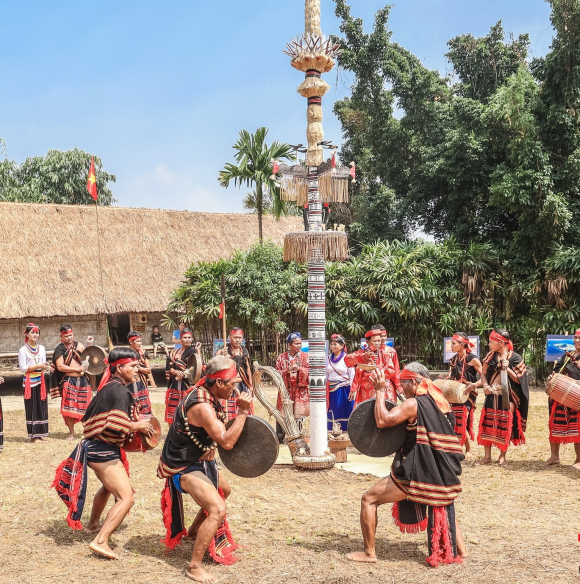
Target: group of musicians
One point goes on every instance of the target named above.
(421, 487)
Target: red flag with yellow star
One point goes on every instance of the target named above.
(92, 180)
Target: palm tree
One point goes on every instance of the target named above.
(254, 168)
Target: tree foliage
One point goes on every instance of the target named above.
(59, 177)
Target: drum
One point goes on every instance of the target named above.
(255, 452)
(564, 390)
(141, 442)
(452, 390)
(95, 356)
(368, 438)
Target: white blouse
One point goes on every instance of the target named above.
(339, 372)
(26, 359)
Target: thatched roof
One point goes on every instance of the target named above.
(50, 266)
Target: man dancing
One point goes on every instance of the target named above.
(69, 380)
(188, 466)
(139, 387)
(385, 358)
(109, 420)
(425, 472)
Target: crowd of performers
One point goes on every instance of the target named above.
(422, 486)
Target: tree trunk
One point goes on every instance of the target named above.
(260, 210)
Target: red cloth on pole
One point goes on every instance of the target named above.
(92, 181)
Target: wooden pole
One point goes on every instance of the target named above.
(224, 311)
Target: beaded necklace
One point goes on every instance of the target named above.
(31, 350)
(221, 416)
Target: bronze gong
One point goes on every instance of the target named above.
(193, 371)
(96, 356)
(368, 438)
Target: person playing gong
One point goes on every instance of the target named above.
(424, 479)
(109, 420)
(188, 466)
(379, 355)
(140, 386)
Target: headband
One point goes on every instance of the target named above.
(235, 330)
(577, 333)
(133, 337)
(494, 336)
(108, 371)
(407, 374)
(31, 328)
(372, 333)
(66, 331)
(463, 341)
(338, 338)
(225, 373)
(292, 337)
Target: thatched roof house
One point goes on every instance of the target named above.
(50, 260)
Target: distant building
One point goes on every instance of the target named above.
(49, 265)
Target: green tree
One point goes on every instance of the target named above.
(59, 177)
(254, 168)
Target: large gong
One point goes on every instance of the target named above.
(368, 438)
(95, 356)
(255, 452)
(193, 371)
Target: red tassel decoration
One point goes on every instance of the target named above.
(408, 527)
(73, 494)
(441, 548)
(166, 504)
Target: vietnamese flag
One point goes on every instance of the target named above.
(92, 181)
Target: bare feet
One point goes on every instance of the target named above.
(92, 528)
(361, 557)
(37, 441)
(552, 460)
(501, 461)
(484, 461)
(103, 549)
(199, 575)
(469, 456)
(70, 438)
(576, 465)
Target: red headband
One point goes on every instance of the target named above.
(373, 333)
(237, 330)
(406, 374)
(133, 337)
(501, 339)
(577, 333)
(225, 373)
(463, 341)
(107, 373)
(66, 331)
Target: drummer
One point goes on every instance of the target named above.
(139, 387)
(564, 420)
(499, 427)
(380, 355)
(464, 367)
(188, 465)
(110, 419)
(425, 471)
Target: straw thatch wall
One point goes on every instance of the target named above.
(49, 255)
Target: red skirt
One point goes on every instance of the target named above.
(76, 397)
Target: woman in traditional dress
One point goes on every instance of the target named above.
(464, 367)
(1, 421)
(32, 362)
(339, 380)
(563, 420)
(498, 426)
(175, 373)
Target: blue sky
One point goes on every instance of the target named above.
(160, 90)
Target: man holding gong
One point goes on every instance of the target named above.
(424, 479)
(188, 466)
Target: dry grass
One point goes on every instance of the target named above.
(520, 523)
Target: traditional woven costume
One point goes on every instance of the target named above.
(34, 382)
(140, 387)
(339, 379)
(564, 420)
(386, 359)
(184, 446)
(1, 427)
(427, 470)
(461, 370)
(177, 388)
(106, 426)
(296, 382)
(497, 427)
(76, 392)
(242, 362)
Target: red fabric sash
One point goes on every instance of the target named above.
(28, 387)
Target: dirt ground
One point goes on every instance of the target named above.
(520, 523)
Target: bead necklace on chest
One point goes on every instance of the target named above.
(221, 416)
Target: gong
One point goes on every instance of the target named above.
(96, 356)
(368, 438)
(255, 452)
(193, 371)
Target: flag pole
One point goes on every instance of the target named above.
(224, 311)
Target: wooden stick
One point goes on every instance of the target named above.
(224, 311)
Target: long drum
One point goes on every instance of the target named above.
(141, 442)
(95, 356)
(255, 452)
(564, 390)
(452, 390)
(368, 438)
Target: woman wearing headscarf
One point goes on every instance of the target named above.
(32, 363)
(339, 380)
(498, 426)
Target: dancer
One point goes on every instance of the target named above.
(139, 387)
(109, 420)
(497, 427)
(32, 362)
(563, 422)
(175, 372)
(69, 380)
(339, 381)
(425, 472)
(295, 370)
(188, 466)
(384, 358)
(464, 367)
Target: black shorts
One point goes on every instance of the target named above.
(99, 451)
